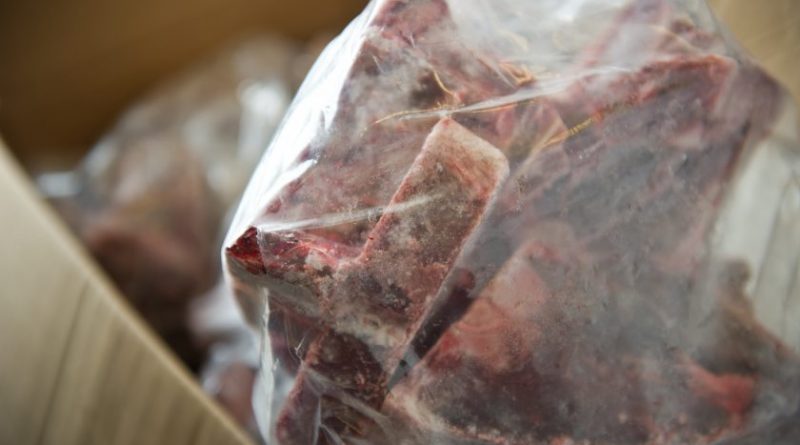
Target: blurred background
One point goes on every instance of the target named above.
(68, 67)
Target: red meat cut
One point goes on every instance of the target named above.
(469, 261)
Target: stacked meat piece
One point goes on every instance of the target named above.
(470, 261)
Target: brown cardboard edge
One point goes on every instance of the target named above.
(92, 287)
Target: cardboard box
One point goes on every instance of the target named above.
(770, 31)
(77, 366)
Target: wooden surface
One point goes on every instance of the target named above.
(76, 365)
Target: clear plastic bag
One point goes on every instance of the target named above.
(230, 374)
(527, 222)
(230, 370)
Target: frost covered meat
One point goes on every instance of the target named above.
(562, 293)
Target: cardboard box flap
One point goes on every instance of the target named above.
(77, 366)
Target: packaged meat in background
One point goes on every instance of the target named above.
(527, 222)
(150, 200)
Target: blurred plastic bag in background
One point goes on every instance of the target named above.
(150, 199)
(527, 222)
(230, 372)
